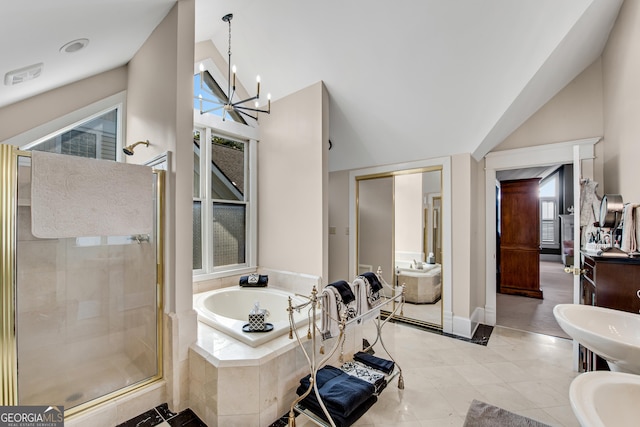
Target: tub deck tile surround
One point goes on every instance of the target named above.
(232, 383)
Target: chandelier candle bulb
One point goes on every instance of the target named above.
(269, 102)
(234, 76)
(258, 91)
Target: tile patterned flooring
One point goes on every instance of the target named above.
(162, 416)
(525, 373)
(522, 372)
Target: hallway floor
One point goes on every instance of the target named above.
(536, 315)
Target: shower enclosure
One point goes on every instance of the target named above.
(80, 317)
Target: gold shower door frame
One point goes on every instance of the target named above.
(9, 156)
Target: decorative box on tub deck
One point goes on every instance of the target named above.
(256, 321)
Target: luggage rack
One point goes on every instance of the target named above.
(313, 303)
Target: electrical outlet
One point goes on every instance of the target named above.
(332, 230)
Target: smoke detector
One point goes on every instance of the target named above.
(23, 74)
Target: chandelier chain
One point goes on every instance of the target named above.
(229, 51)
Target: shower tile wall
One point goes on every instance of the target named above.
(85, 316)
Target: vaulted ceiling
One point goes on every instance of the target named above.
(407, 80)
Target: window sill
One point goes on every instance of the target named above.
(201, 277)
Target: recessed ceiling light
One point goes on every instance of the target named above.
(74, 46)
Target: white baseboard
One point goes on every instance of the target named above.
(466, 327)
(462, 327)
(447, 322)
(490, 317)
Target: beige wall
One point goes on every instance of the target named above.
(375, 225)
(461, 221)
(621, 71)
(293, 184)
(408, 234)
(160, 109)
(477, 237)
(339, 220)
(574, 113)
(467, 242)
(35, 111)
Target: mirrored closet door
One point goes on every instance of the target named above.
(400, 230)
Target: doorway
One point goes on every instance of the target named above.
(581, 153)
(552, 187)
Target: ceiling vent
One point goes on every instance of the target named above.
(23, 74)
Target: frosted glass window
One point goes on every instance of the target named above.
(197, 235)
(221, 220)
(229, 234)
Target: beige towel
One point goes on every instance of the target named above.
(75, 197)
(636, 225)
(360, 291)
(368, 299)
(629, 242)
(330, 326)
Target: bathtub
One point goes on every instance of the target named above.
(227, 310)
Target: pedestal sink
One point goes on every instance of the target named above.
(613, 335)
(603, 398)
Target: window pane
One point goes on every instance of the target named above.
(227, 169)
(77, 143)
(548, 210)
(95, 139)
(229, 234)
(548, 188)
(548, 231)
(196, 163)
(209, 98)
(197, 235)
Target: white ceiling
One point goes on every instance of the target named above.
(33, 31)
(407, 80)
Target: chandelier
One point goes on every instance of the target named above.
(228, 106)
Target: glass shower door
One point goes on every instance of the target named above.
(87, 312)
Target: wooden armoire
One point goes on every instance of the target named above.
(520, 238)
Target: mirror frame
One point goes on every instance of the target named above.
(443, 164)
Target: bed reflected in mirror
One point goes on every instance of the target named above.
(400, 230)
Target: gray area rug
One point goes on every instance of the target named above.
(482, 414)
